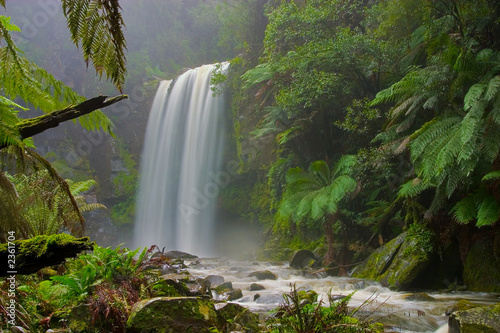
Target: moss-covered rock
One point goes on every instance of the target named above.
(79, 319)
(302, 259)
(398, 264)
(482, 266)
(172, 315)
(43, 251)
(264, 275)
(484, 319)
(420, 297)
(234, 317)
(380, 260)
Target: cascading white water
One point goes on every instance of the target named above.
(183, 151)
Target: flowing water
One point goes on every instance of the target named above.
(183, 151)
(391, 308)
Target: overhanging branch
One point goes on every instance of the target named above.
(30, 127)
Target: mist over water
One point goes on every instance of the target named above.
(182, 153)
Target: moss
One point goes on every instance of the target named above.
(397, 264)
(172, 314)
(45, 250)
(380, 260)
(482, 267)
(483, 319)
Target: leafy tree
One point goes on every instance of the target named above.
(97, 27)
(316, 195)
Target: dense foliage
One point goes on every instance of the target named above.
(409, 87)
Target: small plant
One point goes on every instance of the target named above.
(299, 315)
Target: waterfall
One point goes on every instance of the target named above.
(182, 154)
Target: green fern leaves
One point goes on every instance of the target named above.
(96, 26)
(317, 192)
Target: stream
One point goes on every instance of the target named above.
(391, 308)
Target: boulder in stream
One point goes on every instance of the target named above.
(483, 319)
(179, 255)
(172, 315)
(256, 287)
(264, 275)
(303, 259)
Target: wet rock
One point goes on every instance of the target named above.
(198, 288)
(303, 259)
(270, 299)
(264, 275)
(238, 318)
(462, 305)
(482, 266)
(215, 280)
(172, 315)
(232, 295)
(256, 286)
(482, 319)
(379, 261)
(224, 287)
(419, 297)
(396, 265)
(309, 295)
(179, 255)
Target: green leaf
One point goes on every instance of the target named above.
(474, 95)
(5, 21)
(493, 88)
(489, 212)
(492, 175)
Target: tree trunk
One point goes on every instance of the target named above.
(330, 253)
(30, 127)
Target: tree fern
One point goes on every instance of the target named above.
(96, 25)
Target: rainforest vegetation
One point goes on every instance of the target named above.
(352, 122)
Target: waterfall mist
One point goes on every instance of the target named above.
(180, 162)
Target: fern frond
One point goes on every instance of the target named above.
(344, 165)
(488, 212)
(80, 187)
(321, 170)
(260, 73)
(493, 89)
(492, 175)
(96, 25)
(465, 210)
(474, 95)
(91, 207)
(429, 132)
(412, 188)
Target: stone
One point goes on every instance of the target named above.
(223, 287)
(256, 287)
(380, 260)
(483, 319)
(179, 255)
(215, 280)
(397, 265)
(245, 320)
(482, 267)
(302, 259)
(263, 275)
(172, 315)
(423, 297)
(232, 295)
